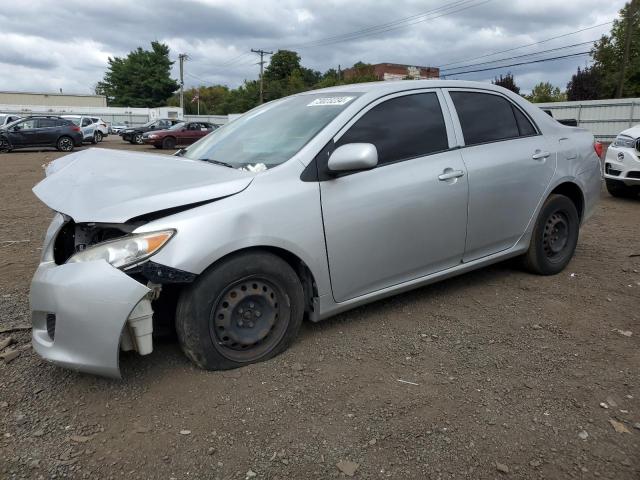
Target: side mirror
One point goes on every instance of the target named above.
(17, 128)
(353, 156)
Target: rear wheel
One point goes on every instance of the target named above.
(65, 144)
(169, 143)
(618, 189)
(5, 146)
(99, 136)
(554, 237)
(94, 139)
(247, 309)
(137, 139)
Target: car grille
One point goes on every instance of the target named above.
(633, 175)
(51, 325)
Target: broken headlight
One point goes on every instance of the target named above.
(125, 251)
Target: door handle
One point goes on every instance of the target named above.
(539, 155)
(450, 174)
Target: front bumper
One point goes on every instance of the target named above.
(88, 304)
(622, 164)
(152, 141)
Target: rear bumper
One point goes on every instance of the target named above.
(86, 306)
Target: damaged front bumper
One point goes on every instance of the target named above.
(79, 312)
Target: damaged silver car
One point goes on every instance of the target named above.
(302, 208)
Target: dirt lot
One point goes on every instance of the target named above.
(507, 371)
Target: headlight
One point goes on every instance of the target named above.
(624, 141)
(152, 136)
(125, 251)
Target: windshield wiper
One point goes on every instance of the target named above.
(217, 162)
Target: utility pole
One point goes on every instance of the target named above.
(631, 11)
(262, 53)
(182, 57)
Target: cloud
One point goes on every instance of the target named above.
(48, 45)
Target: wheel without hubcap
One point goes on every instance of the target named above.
(246, 309)
(137, 139)
(169, 143)
(554, 236)
(4, 145)
(99, 136)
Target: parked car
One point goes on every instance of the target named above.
(183, 133)
(90, 129)
(135, 134)
(6, 118)
(40, 131)
(116, 128)
(302, 208)
(622, 164)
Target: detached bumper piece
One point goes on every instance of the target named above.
(80, 312)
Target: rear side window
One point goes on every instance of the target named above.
(402, 128)
(525, 127)
(47, 122)
(485, 117)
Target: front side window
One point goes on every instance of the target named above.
(271, 133)
(489, 118)
(27, 124)
(401, 128)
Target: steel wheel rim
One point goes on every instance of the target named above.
(65, 144)
(249, 319)
(556, 235)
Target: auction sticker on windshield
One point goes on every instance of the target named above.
(318, 102)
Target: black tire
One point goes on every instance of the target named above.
(137, 138)
(5, 146)
(94, 139)
(65, 144)
(246, 309)
(169, 143)
(554, 237)
(98, 136)
(618, 189)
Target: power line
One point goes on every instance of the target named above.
(347, 37)
(447, 71)
(523, 46)
(521, 63)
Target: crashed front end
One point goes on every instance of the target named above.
(85, 311)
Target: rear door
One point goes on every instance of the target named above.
(407, 217)
(47, 130)
(510, 165)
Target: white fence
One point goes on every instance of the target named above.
(604, 118)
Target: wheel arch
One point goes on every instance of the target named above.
(573, 192)
(304, 273)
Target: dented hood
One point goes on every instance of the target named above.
(112, 186)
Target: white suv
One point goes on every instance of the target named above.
(622, 164)
(93, 128)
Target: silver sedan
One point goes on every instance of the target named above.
(302, 208)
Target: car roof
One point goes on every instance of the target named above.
(402, 85)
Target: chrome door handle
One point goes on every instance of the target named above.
(450, 174)
(539, 155)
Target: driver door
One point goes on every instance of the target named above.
(405, 218)
(24, 133)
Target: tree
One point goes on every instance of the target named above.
(544, 92)
(585, 84)
(617, 55)
(141, 79)
(507, 82)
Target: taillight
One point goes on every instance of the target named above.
(599, 148)
(75, 128)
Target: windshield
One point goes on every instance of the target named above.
(177, 126)
(272, 133)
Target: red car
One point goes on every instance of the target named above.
(182, 133)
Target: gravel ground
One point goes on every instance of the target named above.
(494, 374)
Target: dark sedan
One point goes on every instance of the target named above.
(41, 131)
(134, 134)
(183, 133)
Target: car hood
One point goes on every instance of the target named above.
(110, 186)
(633, 132)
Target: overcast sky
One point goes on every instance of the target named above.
(49, 45)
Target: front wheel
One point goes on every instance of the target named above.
(554, 237)
(137, 139)
(169, 143)
(246, 309)
(65, 144)
(5, 146)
